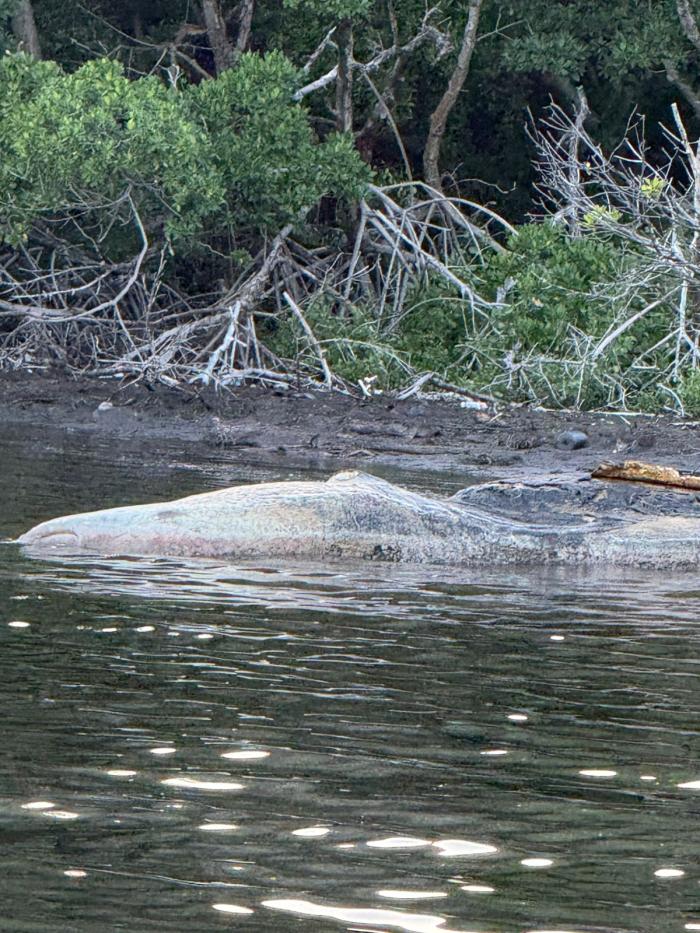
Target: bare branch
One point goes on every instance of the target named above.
(426, 34)
(296, 310)
(389, 117)
(316, 85)
(61, 301)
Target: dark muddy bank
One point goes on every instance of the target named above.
(327, 431)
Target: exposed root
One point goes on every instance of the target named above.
(69, 304)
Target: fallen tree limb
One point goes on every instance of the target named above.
(634, 471)
(439, 383)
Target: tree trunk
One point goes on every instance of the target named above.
(438, 119)
(692, 34)
(686, 90)
(577, 192)
(688, 22)
(218, 38)
(343, 85)
(245, 24)
(24, 29)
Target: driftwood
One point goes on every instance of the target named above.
(634, 471)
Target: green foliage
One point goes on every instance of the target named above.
(78, 142)
(352, 342)
(653, 188)
(216, 167)
(330, 9)
(263, 148)
(616, 37)
(527, 348)
(689, 393)
(552, 276)
(599, 215)
(557, 306)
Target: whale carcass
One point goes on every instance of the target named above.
(356, 516)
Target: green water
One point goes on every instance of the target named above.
(389, 731)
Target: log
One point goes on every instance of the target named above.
(634, 471)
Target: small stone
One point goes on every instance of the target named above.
(571, 440)
(105, 406)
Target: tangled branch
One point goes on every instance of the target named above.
(58, 303)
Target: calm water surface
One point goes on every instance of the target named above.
(198, 746)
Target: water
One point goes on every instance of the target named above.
(317, 748)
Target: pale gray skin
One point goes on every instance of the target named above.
(355, 516)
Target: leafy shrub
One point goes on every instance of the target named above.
(262, 146)
(689, 392)
(555, 307)
(74, 143)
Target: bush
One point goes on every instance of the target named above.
(236, 149)
(73, 144)
(272, 167)
(535, 345)
(555, 305)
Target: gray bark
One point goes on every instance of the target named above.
(24, 29)
(344, 82)
(245, 24)
(218, 37)
(438, 120)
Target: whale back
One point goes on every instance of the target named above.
(350, 515)
(355, 516)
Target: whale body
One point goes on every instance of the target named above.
(354, 516)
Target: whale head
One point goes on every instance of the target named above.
(87, 531)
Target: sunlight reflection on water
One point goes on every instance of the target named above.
(411, 923)
(520, 747)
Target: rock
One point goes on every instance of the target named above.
(646, 441)
(572, 440)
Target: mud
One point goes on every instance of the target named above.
(332, 431)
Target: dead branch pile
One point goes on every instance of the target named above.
(127, 319)
(651, 208)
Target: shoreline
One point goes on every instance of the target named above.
(328, 431)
